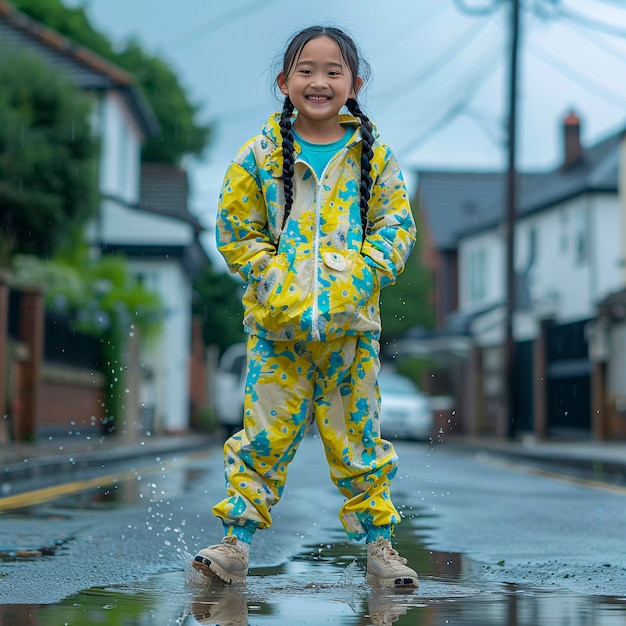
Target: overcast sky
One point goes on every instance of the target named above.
(438, 86)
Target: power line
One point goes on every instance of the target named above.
(599, 43)
(584, 81)
(618, 4)
(509, 404)
(439, 62)
(468, 10)
(581, 27)
(493, 130)
(449, 114)
(579, 18)
(405, 33)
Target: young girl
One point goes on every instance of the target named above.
(314, 215)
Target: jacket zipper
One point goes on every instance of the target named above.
(315, 331)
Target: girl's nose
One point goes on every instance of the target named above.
(319, 79)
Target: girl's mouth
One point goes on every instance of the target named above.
(318, 98)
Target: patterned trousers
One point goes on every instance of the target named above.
(289, 385)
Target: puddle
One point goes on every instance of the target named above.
(31, 553)
(325, 585)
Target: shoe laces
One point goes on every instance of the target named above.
(388, 553)
(229, 543)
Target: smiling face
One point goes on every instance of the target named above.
(318, 84)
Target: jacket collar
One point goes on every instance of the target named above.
(271, 131)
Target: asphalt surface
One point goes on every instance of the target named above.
(62, 459)
(449, 501)
(57, 459)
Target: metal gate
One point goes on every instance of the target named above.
(568, 379)
(523, 389)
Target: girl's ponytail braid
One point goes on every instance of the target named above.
(366, 158)
(287, 135)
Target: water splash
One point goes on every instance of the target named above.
(347, 577)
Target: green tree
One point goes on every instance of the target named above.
(180, 134)
(71, 22)
(218, 303)
(48, 182)
(181, 131)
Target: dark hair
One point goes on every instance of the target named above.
(358, 68)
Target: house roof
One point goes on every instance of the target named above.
(455, 203)
(452, 202)
(165, 191)
(85, 68)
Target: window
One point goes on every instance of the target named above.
(532, 247)
(148, 280)
(477, 276)
(580, 235)
(563, 241)
(122, 157)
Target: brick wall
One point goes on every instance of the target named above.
(70, 400)
(31, 330)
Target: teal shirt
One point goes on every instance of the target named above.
(317, 155)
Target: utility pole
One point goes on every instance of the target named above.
(511, 211)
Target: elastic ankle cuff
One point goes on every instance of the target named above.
(378, 532)
(243, 533)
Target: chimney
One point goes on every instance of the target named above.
(573, 151)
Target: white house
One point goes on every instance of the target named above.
(160, 238)
(569, 259)
(143, 216)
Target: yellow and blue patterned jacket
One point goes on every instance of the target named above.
(317, 280)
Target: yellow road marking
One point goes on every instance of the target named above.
(38, 496)
(45, 494)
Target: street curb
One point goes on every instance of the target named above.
(589, 467)
(74, 462)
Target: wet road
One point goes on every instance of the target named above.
(492, 545)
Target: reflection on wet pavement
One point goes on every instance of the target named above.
(324, 585)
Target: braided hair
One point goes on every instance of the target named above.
(286, 132)
(366, 158)
(358, 68)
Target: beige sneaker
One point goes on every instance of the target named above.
(227, 560)
(386, 568)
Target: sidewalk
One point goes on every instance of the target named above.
(58, 459)
(603, 461)
(64, 458)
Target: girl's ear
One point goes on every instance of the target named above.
(281, 79)
(358, 83)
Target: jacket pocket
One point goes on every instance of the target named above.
(280, 290)
(351, 282)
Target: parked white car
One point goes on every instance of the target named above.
(230, 385)
(406, 411)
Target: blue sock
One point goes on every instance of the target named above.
(243, 533)
(378, 532)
